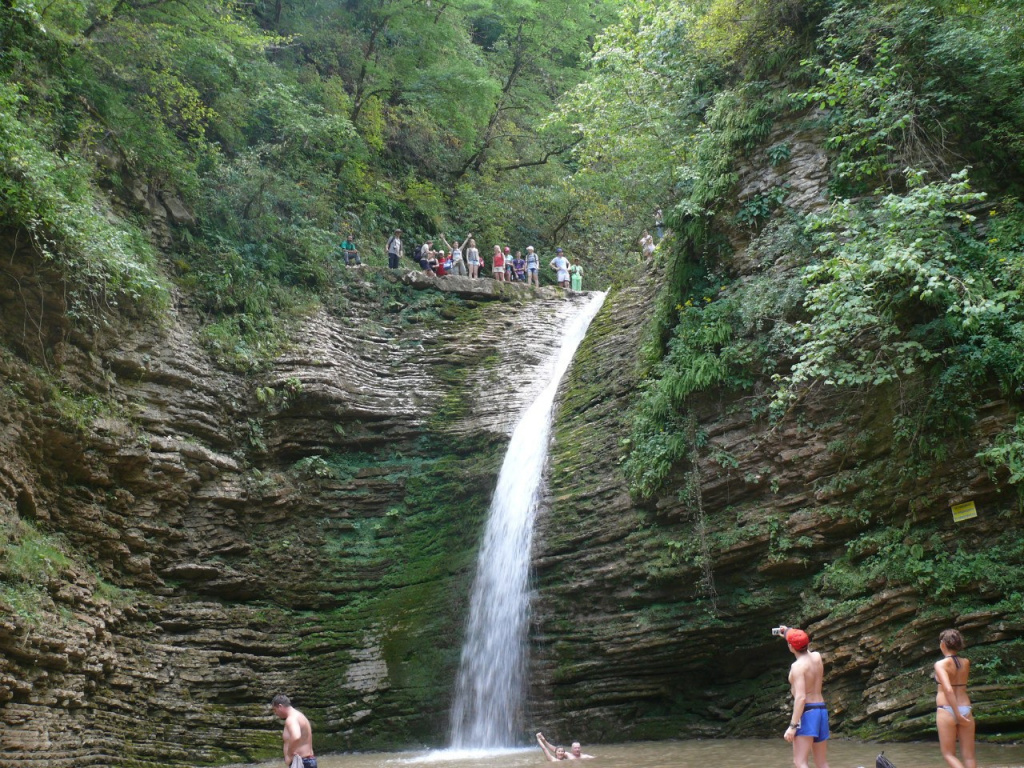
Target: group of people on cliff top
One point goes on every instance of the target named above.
(465, 260)
(808, 729)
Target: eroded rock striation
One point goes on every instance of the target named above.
(653, 617)
(183, 541)
(630, 644)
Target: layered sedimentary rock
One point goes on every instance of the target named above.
(630, 643)
(653, 617)
(203, 539)
(182, 540)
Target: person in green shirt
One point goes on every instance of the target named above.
(349, 252)
(576, 277)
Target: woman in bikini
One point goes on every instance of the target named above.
(551, 752)
(953, 707)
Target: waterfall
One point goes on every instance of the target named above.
(488, 700)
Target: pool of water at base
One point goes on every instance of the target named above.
(724, 753)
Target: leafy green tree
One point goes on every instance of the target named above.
(906, 282)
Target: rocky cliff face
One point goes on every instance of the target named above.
(182, 542)
(652, 619)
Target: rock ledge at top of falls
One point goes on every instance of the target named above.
(481, 287)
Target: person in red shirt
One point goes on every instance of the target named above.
(498, 265)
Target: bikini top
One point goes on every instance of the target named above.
(956, 663)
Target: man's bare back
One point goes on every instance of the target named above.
(806, 674)
(808, 730)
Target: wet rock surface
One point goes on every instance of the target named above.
(211, 538)
(652, 618)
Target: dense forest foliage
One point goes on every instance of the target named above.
(278, 127)
(275, 129)
(913, 267)
(902, 288)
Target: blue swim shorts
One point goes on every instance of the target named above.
(814, 722)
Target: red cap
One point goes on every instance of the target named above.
(798, 639)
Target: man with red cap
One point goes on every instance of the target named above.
(808, 728)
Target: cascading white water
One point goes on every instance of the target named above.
(491, 684)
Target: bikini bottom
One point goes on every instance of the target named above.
(965, 710)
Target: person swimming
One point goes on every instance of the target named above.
(552, 753)
(575, 752)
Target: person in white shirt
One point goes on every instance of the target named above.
(395, 249)
(561, 265)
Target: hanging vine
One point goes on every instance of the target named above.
(706, 584)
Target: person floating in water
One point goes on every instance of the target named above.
(297, 735)
(808, 728)
(575, 752)
(554, 753)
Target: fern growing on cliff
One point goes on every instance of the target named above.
(702, 355)
(54, 200)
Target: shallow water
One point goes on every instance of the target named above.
(725, 753)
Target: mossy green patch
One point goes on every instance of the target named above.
(398, 575)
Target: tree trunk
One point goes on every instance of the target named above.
(476, 160)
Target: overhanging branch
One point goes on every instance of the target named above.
(547, 156)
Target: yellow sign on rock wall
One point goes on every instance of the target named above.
(964, 511)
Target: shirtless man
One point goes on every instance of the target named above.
(808, 728)
(574, 753)
(297, 735)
